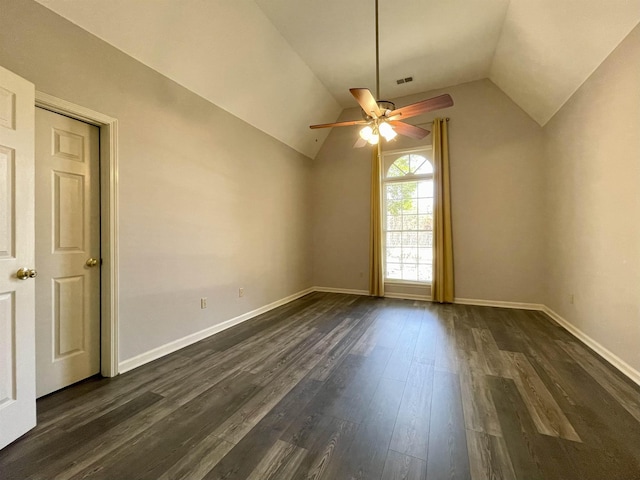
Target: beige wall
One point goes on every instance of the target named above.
(592, 227)
(497, 187)
(207, 203)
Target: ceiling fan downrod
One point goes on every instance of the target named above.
(377, 56)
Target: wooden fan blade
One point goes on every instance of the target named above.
(361, 142)
(410, 130)
(435, 103)
(366, 101)
(339, 124)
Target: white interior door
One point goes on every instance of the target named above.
(67, 251)
(17, 355)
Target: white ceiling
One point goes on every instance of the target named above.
(281, 65)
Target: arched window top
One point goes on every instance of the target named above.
(410, 164)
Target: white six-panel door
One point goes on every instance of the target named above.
(17, 355)
(67, 251)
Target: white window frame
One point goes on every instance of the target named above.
(426, 151)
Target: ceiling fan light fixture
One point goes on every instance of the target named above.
(366, 133)
(387, 131)
(370, 134)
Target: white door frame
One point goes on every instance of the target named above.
(108, 219)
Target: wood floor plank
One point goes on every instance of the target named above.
(425, 351)
(281, 461)
(507, 332)
(480, 413)
(447, 458)
(368, 340)
(411, 431)
(348, 392)
(627, 395)
(248, 452)
(488, 353)
(199, 460)
(551, 376)
(402, 356)
(403, 467)
(446, 350)
(465, 343)
(326, 440)
(544, 410)
(517, 428)
(367, 453)
(488, 457)
(336, 355)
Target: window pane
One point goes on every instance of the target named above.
(424, 273)
(394, 171)
(410, 272)
(394, 239)
(425, 239)
(425, 255)
(410, 203)
(425, 188)
(394, 271)
(409, 239)
(394, 255)
(425, 205)
(421, 165)
(409, 255)
(403, 163)
(394, 222)
(425, 222)
(410, 222)
(393, 191)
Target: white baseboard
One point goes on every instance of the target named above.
(171, 347)
(608, 355)
(347, 291)
(500, 304)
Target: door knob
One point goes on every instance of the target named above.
(92, 262)
(26, 273)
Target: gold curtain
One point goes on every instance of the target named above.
(442, 284)
(376, 273)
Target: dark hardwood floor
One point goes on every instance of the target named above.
(346, 387)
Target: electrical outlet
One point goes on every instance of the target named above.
(571, 299)
(241, 292)
(203, 303)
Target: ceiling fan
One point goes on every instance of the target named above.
(381, 117)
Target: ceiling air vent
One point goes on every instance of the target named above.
(404, 80)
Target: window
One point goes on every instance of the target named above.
(408, 216)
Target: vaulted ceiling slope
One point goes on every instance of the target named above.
(226, 51)
(281, 65)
